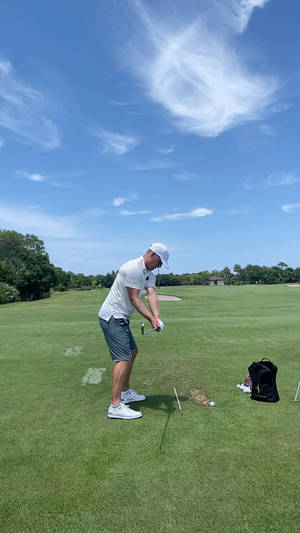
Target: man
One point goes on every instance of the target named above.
(114, 314)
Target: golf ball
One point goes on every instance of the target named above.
(212, 404)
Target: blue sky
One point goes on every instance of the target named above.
(124, 122)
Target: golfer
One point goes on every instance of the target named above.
(114, 314)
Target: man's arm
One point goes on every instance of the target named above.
(142, 309)
(153, 302)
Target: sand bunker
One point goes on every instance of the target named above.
(167, 298)
(200, 397)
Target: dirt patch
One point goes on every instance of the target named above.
(200, 397)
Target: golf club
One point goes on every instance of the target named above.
(178, 402)
(143, 332)
(297, 392)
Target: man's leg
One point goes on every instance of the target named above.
(120, 372)
(125, 385)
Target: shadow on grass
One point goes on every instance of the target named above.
(167, 404)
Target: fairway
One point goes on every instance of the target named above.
(65, 467)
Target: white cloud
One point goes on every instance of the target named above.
(26, 220)
(36, 177)
(291, 208)
(237, 13)
(116, 143)
(195, 71)
(196, 213)
(185, 176)
(1, 142)
(23, 110)
(165, 151)
(32, 176)
(278, 179)
(124, 212)
(117, 202)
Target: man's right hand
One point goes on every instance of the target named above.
(155, 323)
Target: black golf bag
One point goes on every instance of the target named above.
(263, 376)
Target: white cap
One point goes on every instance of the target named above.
(160, 249)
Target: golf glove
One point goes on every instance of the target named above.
(161, 325)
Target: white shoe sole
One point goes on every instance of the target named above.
(125, 417)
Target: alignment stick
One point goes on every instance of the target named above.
(179, 406)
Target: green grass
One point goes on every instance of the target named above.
(65, 467)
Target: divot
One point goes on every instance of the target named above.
(93, 376)
(200, 396)
(73, 351)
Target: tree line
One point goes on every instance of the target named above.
(27, 274)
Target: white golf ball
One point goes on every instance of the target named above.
(212, 404)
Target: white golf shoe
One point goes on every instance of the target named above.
(122, 411)
(132, 396)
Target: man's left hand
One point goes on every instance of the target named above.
(161, 325)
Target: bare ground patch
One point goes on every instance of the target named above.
(200, 396)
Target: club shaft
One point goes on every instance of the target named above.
(178, 402)
(297, 392)
(149, 331)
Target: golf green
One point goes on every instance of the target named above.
(65, 467)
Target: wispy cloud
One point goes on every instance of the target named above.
(23, 111)
(196, 213)
(291, 208)
(248, 184)
(48, 179)
(28, 220)
(1, 142)
(278, 179)
(34, 176)
(116, 143)
(165, 151)
(153, 164)
(117, 202)
(266, 130)
(125, 213)
(237, 13)
(92, 212)
(193, 68)
(185, 176)
(235, 211)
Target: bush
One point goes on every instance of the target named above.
(8, 293)
(60, 288)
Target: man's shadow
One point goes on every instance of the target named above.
(166, 403)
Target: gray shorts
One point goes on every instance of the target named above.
(119, 338)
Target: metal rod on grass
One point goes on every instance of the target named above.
(178, 402)
(297, 392)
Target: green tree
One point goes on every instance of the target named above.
(25, 265)
(226, 274)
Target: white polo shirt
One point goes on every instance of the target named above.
(132, 274)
